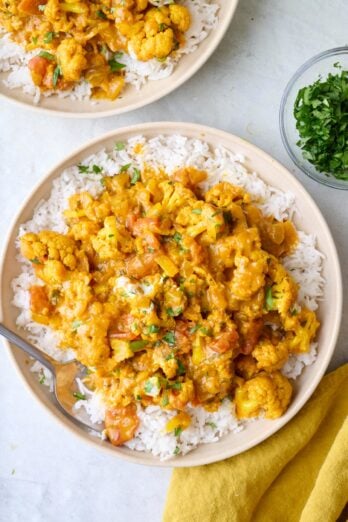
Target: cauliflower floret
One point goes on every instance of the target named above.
(223, 194)
(249, 275)
(52, 10)
(48, 245)
(71, 58)
(245, 366)
(283, 293)
(180, 17)
(268, 393)
(270, 357)
(158, 46)
(174, 300)
(182, 395)
(301, 330)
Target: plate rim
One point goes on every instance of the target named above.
(221, 30)
(170, 128)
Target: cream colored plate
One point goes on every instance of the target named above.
(131, 98)
(309, 219)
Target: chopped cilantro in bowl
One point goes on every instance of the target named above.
(314, 118)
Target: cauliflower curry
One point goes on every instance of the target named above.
(79, 39)
(172, 296)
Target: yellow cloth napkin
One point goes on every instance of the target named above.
(300, 474)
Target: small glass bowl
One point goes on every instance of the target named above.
(317, 67)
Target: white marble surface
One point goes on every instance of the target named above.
(45, 473)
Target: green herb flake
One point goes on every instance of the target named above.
(138, 397)
(42, 379)
(115, 65)
(174, 312)
(35, 261)
(101, 14)
(197, 211)
(176, 451)
(48, 37)
(165, 400)
(79, 396)
(56, 73)
(75, 325)
(153, 328)
(169, 338)
(148, 387)
(181, 368)
(120, 146)
(194, 329)
(34, 40)
(212, 425)
(178, 431)
(176, 386)
(177, 237)
(47, 55)
(269, 300)
(138, 345)
(124, 168)
(135, 176)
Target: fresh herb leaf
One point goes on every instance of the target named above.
(56, 73)
(101, 14)
(148, 387)
(96, 169)
(120, 146)
(47, 55)
(135, 176)
(269, 300)
(165, 400)
(177, 237)
(181, 367)
(174, 312)
(79, 396)
(169, 338)
(35, 261)
(211, 424)
(177, 450)
(197, 211)
(75, 325)
(83, 169)
(115, 65)
(42, 379)
(176, 386)
(136, 346)
(320, 112)
(124, 168)
(153, 328)
(177, 431)
(194, 329)
(48, 37)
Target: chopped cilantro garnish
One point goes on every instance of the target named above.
(56, 73)
(174, 312)
(177, 450)
(320, 112)
(101, 14)
(75, 325)
(269, 301)
(175, 386)
(35, 261)
(79, 396)
(34, 40)
(165, 400)
(212, 425)
(124, 168)
(169, 338)
(115, 65)
(119, 146)
(181, 367)
(177, 237)
(148, 387)
(177, 431)
(49, 37)
(42, 379)
(153, 328)
(194, 329)
(47, 55)
(197, 211)
(136, 346)
(135, 176)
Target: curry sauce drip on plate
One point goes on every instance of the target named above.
(172, 296)
(86, 40)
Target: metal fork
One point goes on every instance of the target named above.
(64, 379)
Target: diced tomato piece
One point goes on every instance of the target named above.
(38, 68)
(224, 341)
(141, 266)
(121, 424)
(123, 328)
(31, 7)
(39, 302)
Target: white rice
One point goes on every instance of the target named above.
(171, 152)
(14, 59)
